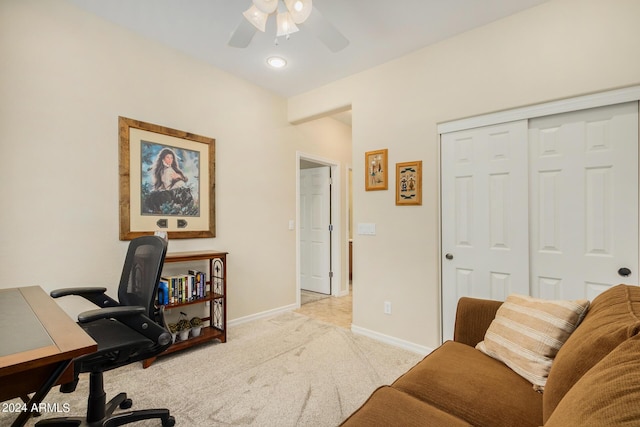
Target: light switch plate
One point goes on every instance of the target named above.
(367, 229)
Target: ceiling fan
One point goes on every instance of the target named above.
(289, 14)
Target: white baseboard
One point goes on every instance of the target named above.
(419, 349)
(262, 315)
(343, 293)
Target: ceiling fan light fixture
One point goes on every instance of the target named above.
(266, 6)
(285, 24)
(256, 17)
(299, 9)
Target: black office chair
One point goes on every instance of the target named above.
(126, 331)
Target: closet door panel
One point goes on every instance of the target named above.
(484, 224)
(584, 201)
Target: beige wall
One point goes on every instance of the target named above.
(560, 49)
(65, 78)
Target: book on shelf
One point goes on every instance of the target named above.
(200, 283)
(182, 288)
(163, 292)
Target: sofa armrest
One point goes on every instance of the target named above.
(473, 317)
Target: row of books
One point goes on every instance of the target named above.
(182, 288)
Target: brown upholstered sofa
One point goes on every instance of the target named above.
(594, 379)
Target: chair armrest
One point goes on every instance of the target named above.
(94, 294)
(77, 291)
(110, 313)
(134, 317)
(473, 317)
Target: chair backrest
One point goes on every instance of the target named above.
(141, 272)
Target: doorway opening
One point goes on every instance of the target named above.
(314, 253)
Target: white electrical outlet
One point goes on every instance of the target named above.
(387, 307)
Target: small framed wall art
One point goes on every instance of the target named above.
(376, 177)
(409, 183)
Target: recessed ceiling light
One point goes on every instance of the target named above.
(276, 62)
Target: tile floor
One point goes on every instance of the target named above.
(334, 310)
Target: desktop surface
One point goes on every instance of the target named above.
(36, 336)
(21, 329)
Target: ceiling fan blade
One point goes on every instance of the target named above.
(242, 35)
(325, 31)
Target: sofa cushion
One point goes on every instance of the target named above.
(527, 333)
(607, 395)
(464, 382)
(390, 407)
(613, 317)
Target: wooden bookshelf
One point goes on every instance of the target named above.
(216, 297)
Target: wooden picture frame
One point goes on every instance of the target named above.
(376, 171)
(409, 183)
(166, 181)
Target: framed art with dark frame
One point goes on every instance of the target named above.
(409, 183)
(377, 177)
(166, 181)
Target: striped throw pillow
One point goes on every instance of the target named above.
(527, 333)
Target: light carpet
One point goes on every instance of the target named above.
(289, 370)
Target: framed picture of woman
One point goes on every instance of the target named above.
(166, 181)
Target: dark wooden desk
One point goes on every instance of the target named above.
(38, 341)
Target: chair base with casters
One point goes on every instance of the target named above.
(100, 412)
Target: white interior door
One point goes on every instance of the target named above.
(484, 215)
(315, 235)
(584, 201)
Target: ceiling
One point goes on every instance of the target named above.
(378, 30)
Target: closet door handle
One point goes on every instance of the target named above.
(449, 256)
(624, 272)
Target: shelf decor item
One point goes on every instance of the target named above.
(173, 328)
(166, 181)
(376, 174)
(196, 326)
(184, 326)
(409, 183)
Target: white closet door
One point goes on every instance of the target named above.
(484, 215)
(584, 201)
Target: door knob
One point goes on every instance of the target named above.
(449, 256)
(624, 272)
